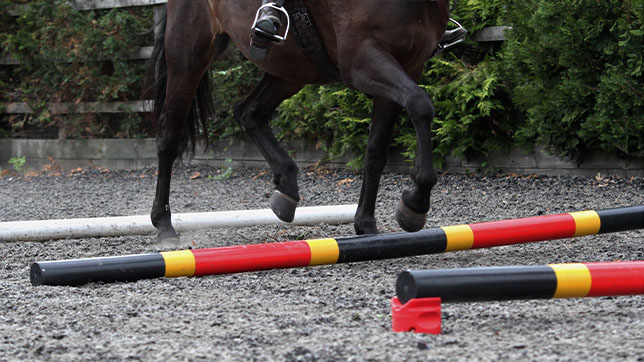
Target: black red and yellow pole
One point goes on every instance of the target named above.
(291, 254)
(523, 282)
(420, 292)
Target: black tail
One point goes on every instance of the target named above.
(203, 107)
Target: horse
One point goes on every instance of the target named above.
(378, 47)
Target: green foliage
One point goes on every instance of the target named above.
(73, 56)
(472, 108)
(334, 117)
(18, 163)
(475, 15)
(575, 69)
(228, 173)
(233, 80)
(5, 22)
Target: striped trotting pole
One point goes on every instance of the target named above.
(540, 228)
(420, 293)
(339, 250)
(522, 282)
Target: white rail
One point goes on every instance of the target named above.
(43, 230)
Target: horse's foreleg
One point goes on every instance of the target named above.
(254, 114)
(384, 115)
(381, 75)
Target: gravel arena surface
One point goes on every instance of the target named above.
(337, 312)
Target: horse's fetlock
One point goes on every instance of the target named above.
(425, 178)
(156, 218)
(291, 169)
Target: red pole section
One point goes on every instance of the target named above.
(529, 229)
(623, 278)
(236, 259)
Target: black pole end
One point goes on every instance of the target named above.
(104, 269)
(406, 287)
(36, 275)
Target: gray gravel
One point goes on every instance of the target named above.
(338, 312)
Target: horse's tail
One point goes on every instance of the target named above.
(203, 107)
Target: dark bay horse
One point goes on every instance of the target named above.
(379, 48)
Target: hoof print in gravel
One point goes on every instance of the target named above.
(170, 244)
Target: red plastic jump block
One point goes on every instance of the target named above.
(421, 315)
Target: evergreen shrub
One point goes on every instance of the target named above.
(74, 56)
(575, 68)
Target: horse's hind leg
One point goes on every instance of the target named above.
(187, 58)
(254, 114)
(381, 75)
(384, 115)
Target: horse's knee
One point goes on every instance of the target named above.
(248, 118)
(420, 106)
(376, 154)
(168, 146)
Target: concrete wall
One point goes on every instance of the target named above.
(129, 154)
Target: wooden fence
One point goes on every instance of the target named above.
(489, 34)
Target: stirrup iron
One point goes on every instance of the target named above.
(275, 38)
(460, 38)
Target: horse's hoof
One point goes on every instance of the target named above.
(408, 219)
(283, 206)
(365, 228)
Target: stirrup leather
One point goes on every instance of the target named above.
(276, 38)
(459, 39)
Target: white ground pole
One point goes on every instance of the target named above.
(42, 230)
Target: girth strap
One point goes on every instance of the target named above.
(308, 39)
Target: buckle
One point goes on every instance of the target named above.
(277, 38)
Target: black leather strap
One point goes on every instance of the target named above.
(308, 39)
